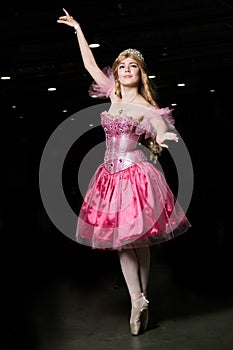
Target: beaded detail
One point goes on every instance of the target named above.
(121, 143)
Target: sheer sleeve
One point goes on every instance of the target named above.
(103, 89)
(161, 114)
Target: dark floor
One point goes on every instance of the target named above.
(78, 300)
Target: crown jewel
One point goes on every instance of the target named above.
(132, 52)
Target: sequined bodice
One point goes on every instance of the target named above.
(122, 134)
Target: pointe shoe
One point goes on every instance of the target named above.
(139, 314)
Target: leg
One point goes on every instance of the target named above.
(143, 255)
(130, 269)
(130, 261)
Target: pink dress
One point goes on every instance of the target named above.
(128, 203)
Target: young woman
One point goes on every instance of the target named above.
(128, 206)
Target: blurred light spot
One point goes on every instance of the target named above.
(92, 46)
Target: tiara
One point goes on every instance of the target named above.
(132, 52)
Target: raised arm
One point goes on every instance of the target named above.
(86, 53)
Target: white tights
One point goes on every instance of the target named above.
(135, 266)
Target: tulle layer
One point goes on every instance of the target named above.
(128, 209)
(105, 85)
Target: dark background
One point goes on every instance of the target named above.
(182, 41)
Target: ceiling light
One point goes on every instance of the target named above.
(173, 104)
(91, 124)
(5, 78)
(92, 46)
(180, 84)
(64, 111)
(151, 76)
(212, 90)
(52, 89)
(94, 96)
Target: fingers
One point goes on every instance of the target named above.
(66, 12)
(66, 18)
(163, 145)
(171, 136)
(175, 138)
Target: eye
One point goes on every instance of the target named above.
(134, 65)
(121, 66)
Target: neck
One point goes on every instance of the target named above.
(128, 93)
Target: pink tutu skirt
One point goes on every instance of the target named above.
(129, 209)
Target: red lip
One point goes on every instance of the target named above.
(127, 76)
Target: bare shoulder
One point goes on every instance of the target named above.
(142, 102)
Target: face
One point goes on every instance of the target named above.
(128, 72)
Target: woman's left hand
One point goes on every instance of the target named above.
(166, 136)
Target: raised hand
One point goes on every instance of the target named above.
(67, 19)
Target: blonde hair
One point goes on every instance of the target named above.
(146, 90)
(144, 87)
